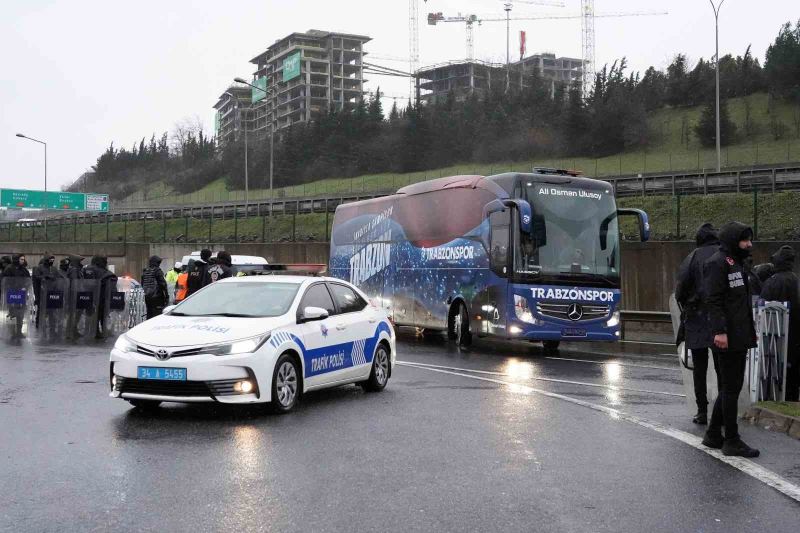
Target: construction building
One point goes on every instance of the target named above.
(466, 77)
(305, 74)
(232, 116)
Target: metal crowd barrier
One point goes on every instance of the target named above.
(767, 362)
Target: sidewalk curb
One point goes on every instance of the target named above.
(773, 421)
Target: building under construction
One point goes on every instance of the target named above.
(466, 77)
(305, 74)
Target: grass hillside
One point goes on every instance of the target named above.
(674, 147)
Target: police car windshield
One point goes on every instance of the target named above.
(240, 299)
(582, 237)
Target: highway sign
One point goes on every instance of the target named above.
(62, 201)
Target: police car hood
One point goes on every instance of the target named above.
(168, 330)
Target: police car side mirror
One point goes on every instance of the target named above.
(310, 314)
(167, 309)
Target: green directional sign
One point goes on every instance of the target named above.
(259, 92)
(65, 201)
(291, 66)
(21, 198)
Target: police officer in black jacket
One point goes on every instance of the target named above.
(17, 269)
(689, 293)
(98, 269)
(222, 268)
(43, 272)
(783, 287)
(156, 294)
(727, 293)
(198, 272)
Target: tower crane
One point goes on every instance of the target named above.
(470, 20)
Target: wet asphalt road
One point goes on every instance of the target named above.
(468, 444)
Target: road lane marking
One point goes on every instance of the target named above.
(756, 471)
(674, 369)
(649, 342)
(552, 380)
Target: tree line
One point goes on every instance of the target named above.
(518, 124)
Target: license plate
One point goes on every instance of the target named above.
(163, 374)
(573, 332)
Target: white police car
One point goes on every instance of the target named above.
(255, 339)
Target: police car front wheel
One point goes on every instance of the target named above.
(379, 375)
(285, 384)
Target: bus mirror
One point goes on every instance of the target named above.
(526, 220)
(493, 207)
(642, 219)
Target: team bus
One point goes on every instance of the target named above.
(532, 256)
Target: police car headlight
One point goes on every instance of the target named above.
(124, 344)
(613, 321)
(243, 346)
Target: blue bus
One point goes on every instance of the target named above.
(532, 256)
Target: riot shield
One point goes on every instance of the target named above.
(687, 365)
(51, 311)
(17, 308)
(114, 312)
(82, 310)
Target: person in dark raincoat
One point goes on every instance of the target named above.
(697, 331)
(730, 311)
(783, 287)
(17, 269)
(156, 294)
(98, 269)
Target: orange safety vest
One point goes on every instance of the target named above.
(181, 287)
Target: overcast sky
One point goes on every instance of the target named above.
(82, 73)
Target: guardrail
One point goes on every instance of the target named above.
(766, 179)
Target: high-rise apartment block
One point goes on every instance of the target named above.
(306, 74)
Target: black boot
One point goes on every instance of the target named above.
(738, 448)
(713, 439)
(701, 418)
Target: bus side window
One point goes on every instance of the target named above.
(500, 222)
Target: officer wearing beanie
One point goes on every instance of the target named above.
(727, 292)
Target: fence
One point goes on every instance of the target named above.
(161, 227)
(700, 160)
(773, 216)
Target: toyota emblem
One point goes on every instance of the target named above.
(162, 355)
(575, 312)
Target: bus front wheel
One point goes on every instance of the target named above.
(458, 325)
(551, 346)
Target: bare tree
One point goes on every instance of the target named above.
(182, 131)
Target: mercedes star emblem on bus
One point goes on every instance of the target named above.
(575, 312)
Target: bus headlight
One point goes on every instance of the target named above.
(613, 321)
(523, 312)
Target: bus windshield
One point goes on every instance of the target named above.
(582, 237)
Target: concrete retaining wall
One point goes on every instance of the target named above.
(648, 275)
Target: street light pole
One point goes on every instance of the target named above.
(271, 134)
(716, 69)
(507, 7)
(21, 136)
